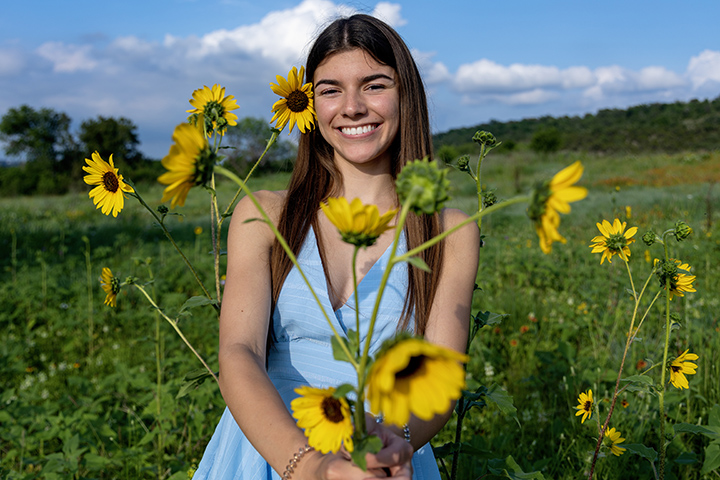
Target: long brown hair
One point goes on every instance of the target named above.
(315, 176)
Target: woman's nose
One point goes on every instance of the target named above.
(354, 104)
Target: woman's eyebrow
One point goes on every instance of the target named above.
(369, 78)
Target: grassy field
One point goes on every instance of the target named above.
(89, 391)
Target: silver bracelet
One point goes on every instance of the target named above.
(406, 432)
(292, 464)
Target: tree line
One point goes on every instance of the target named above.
(657, 127)
(49, 157)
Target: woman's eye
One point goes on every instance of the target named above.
(328, 91)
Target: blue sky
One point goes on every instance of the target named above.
(481, 60)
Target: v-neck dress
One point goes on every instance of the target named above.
(302, 355)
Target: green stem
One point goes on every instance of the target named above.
(291, 256)
(661, 394)
(355, 296)
(215, 234)
(478, 185)
(174, 324)
(172, 241)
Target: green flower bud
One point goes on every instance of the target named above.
(463, 163)
(489, 199)
(682, 230)
(649, 238)
(425, 183)
(162, 209)
(482, 137)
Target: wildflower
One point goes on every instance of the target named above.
(624, 403)
(513, 343)
(628, 211)
(672, 272)
(212, 109)
(426, 182)
(682, 230)
(326, 420)
(359, 224)
(552, 197)
(524, 329)
(585, 405)
(189, 162)
(109, 194)
(296, 106)
(680, 367)
(412, 376)
(613, 241)
(198, 230)
(641, 364)
(613, 436)
(648, 257)
(111, 285)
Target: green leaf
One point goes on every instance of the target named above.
(714, 416)
(338, 352)
(418, 263)
(509, 468)
(343, 390)
(640, 449)
(712, 459)
(690, 428)
(363, 446)
(192, 381)
(465, 448)
(504, 401)
(687, 458)
(197, 301)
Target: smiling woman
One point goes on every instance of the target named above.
(275, 346)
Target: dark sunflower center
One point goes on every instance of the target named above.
(616, 242)
(115, 285)
(297, 101)
(540, 197)
(110, 182)
(332, 409)
(412, 367)
(587, 406)
(675, 368)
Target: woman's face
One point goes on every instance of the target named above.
(357, 101)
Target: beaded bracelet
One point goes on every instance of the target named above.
(292, 464)
(406, 428)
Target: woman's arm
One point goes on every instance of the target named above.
(244, 322)
(449, 320)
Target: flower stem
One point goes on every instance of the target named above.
(355, 296)
(478, 185)
(291, 256)
(661, 393)
(174, 324)
(174, 244)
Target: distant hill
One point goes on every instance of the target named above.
(679, 126)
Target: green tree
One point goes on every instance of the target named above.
(36, 135)
(247, 141)
(107, 135)
(546, 140)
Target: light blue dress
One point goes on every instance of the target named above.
(302, 355)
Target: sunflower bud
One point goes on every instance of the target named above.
(463, 163)
(162, 209)
(489, 199)
(482, 137)
(682, 230)
(649, 238)
(425, 183)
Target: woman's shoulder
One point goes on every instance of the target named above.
(271, 202)
(467, 234)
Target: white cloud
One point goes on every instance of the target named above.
(11, 62)
(389, 13)
(432, 72)
(705, 68)
(67, 58)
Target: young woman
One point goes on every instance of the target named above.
(371, 119)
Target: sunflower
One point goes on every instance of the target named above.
(212, 109)
(326, 420)
(109, 193)
(296, 106)
(111, 285)
(681, 283)
(413, 376)
(189, 163)
(680, 367)
(613, 241)
(613, 437)
(552, 197)
(359, 224)
(585, 407)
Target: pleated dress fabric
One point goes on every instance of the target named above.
(302, 355)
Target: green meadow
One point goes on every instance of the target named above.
(93, 392)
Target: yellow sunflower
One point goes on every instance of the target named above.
(613, 241)
(681, 283)
(326, 420)
(359, 224)
(613, 437)
(296, 106)
(415, 377)
(681, 367)
(552, 197)
(109, 193)
(212, 108)
(189, 163)
(585, 407)
(111, 285)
